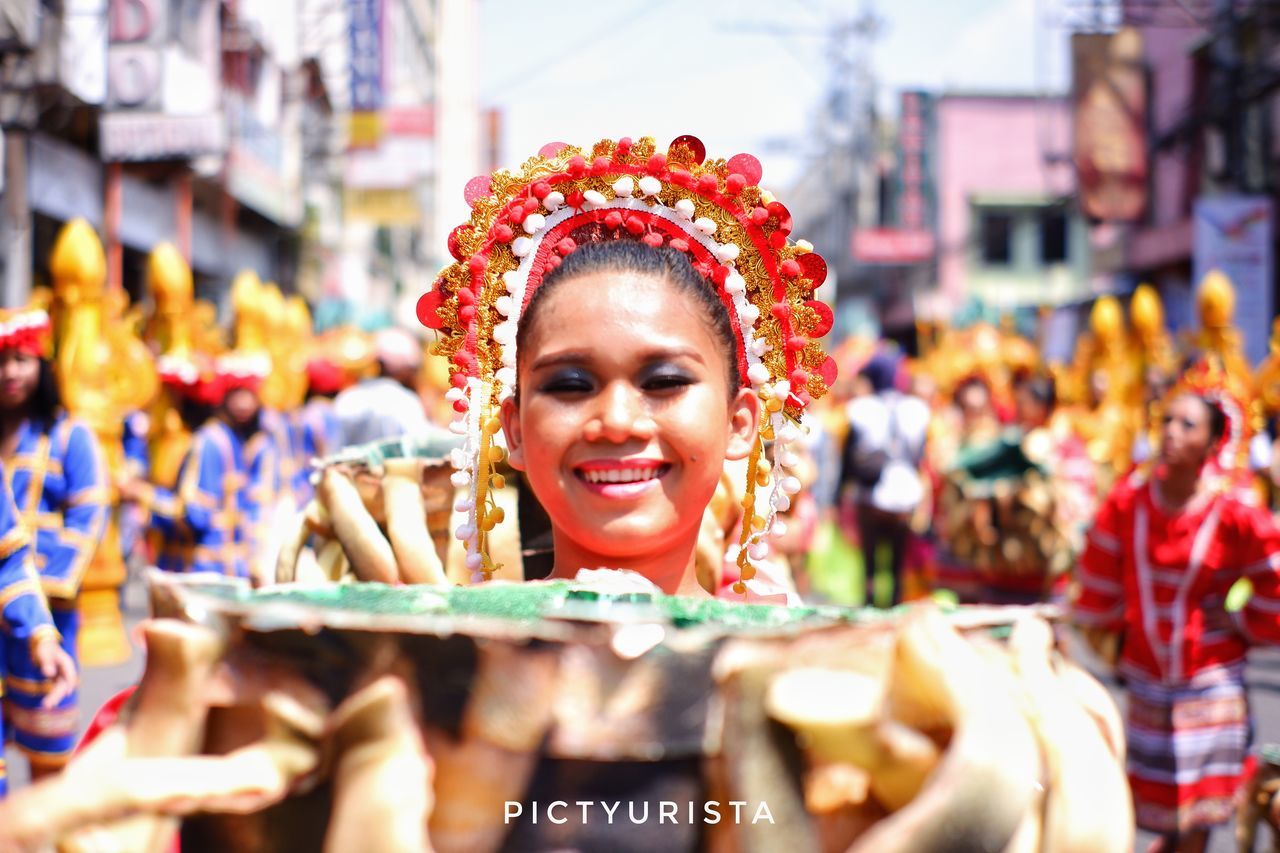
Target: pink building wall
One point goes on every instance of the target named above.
(993, 145)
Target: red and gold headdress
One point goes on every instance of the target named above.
(242, 369)
(735, 234)
(26, 330)
(1208, 378)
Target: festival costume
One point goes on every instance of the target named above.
(1161, 577)
(736, 236)
(24, 613)
(57, 476)
(214, 521)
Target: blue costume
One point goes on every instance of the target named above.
(317, 434)
(59, 483)
(216, 520)
(24, 615)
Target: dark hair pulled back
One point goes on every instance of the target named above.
(631, 256)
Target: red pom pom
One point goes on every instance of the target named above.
(759, 216)
(600, 165)
(653, 240)
(553, 262)
(477, 263)
(795, 343)
(502, 233)
(541, 190)
(777, 208)
(464, 360)
(428, 305)
(613, 219)
(460, 406)
(566, 246)
(720, 274)
(790, 267)
(735, 184)
(707, 184)
(574, 200)
(624, 146)
(779, 211)
(531, 205)
(577, 166)
(467, 313)
(777, 239)
(517, 214)
(635, 225)
(681, 178)
(780, 310)
(679, 244)
(657, 163)
(798, 378)
(466, 296)
(802, 398)
(458, 380)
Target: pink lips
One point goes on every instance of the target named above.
(621, 478)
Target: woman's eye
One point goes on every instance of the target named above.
(666, 381)
(566, 383)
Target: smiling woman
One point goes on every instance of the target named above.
(630, 323)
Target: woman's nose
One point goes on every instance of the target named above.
(621, 416)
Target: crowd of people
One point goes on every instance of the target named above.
(657, 432)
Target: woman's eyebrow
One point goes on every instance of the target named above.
(554, 359)
(557, 358)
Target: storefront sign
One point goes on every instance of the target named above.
(1109, 94)
(892, 246)
(146, 136)
(911, 240)
(364, 44)
(1234, 234)
(382, 206)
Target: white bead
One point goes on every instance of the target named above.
(464, 532)
(458, 427)
(778, 528)
(789, 485)
(750, 314)
(787, 459)
(685, 208)
(649, 185)
(624, 187)
(505, 394)
(784, 503)
(727, 252)
(509, 357)
(477, 577)
(758, 550)
(705, 225)
(475, 562)
(758, 374)
(554, 200)
(781, 389)
(458, 458)
(504, 304)
(788, 434)
(506, 375)
(594, 199)
(511, 280)
(461, 479)
(767, 198)
(735, 283)
(505, 332)
(454, 394)
(804, 246)
(760, 346)
(521, 246)
(533, 223)
(463, 506)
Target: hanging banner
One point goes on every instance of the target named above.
(364, 47)
(1109, 102)
(1234, 234)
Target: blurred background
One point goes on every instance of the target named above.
(956, 160)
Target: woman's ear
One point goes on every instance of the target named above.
(510, 417)
(744, 424)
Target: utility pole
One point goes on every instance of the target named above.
(17, 118)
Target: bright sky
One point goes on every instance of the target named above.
(742, 75)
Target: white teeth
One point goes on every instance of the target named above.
(621, 475)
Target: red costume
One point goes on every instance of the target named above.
(1161, 577)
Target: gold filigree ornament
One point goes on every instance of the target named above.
(736, 236)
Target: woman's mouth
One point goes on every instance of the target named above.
(621, 479)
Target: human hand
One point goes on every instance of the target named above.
(48, 654)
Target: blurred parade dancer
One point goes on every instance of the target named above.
(1162, 553)
(56, 473)
(386, 405)
(25, 620)
(216, 519)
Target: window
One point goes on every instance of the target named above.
(1053, 236)
(996, 235)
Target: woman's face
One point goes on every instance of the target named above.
(242, 406)
(625, 416)
(19, 376)
(1184, 438)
